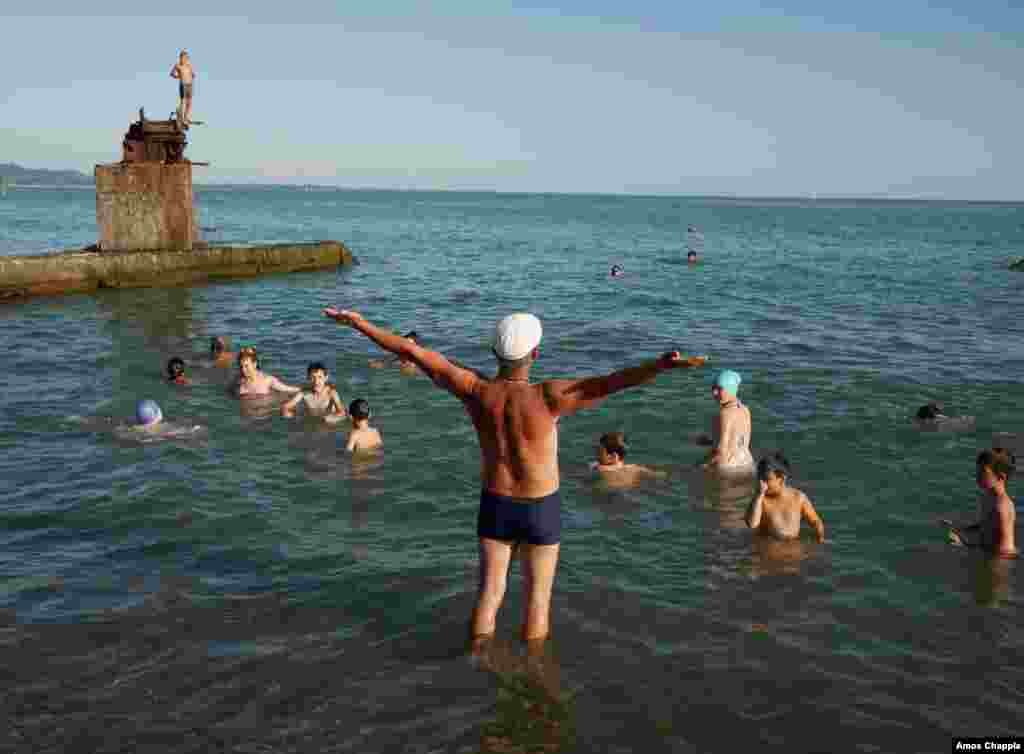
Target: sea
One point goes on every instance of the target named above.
(244, 586)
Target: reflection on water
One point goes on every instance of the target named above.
(777, 557)
(531, 714)
(991, 580)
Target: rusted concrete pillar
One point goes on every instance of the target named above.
(144, 206)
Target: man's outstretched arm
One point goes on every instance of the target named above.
(569, 396)
(460, 382)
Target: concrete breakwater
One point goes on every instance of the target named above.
(90, 270)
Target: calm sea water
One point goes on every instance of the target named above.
(253, 590)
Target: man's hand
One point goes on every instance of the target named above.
(675, 360)
(763, 486)
(343, 316)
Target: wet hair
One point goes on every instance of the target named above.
(175, 367)
(932, 411)
(1000, 460)
(614, 442)
(773, 462)
(218, 345)
(316, 366)
(412, 335)
(248, 352)
(359, 409)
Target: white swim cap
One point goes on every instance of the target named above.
(516, 336)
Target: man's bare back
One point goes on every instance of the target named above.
(518, 436)
(516, 424)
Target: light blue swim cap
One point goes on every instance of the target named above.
(147, 412)
(729, 380)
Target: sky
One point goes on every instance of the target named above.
(910, 99)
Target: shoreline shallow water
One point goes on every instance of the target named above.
(152, 596)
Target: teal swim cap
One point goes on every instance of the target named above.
(729, 380)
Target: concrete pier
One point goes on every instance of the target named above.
(90, 270)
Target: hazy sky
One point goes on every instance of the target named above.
(905, 98)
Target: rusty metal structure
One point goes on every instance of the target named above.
(154, 141)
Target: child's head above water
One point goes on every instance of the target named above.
(359, 410)
(175, 369)
(317, 373)
(147, 413)
(995, 465)
(773, 469)
(612, 446)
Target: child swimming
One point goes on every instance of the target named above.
(322, 400)
(405, 366)
(611, 463)
(778, 509)
(994, 532)
(176, 372)
(362, 436)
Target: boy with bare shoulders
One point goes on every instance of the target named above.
(363, 436)
(252, 382)
(185, 74)
(995, 531)
(516, 423)
(611, 463)
(778, 509)
(321, 400)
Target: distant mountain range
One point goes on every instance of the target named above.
(41, 177)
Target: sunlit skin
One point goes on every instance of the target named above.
(184, 72)
(322, 400)
(995, 532)
(733, 419)
(516, 423)
(617, 473)
(778, 510)
(405, 365)
(363, 436)
(252, 382)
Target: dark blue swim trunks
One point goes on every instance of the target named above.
(536, 521)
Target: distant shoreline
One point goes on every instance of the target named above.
(805, 200)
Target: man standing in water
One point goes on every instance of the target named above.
(516, 424)
(185, 74)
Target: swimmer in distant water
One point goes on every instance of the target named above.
(322, 400)
(778, 510)
(731, 429)
(931, 412)
(252, 382)
(995, 531)
(362, 436)
(617, 271)
(694, 242)
(932, 416)
(611, 462)
(405, 365)
(691, 257)
(176, 372)
(148, 415)
(222, 357)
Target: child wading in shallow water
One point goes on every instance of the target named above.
(994, 532)
(778, 509)
(611, 462)
(362, 436)
(321, 400)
